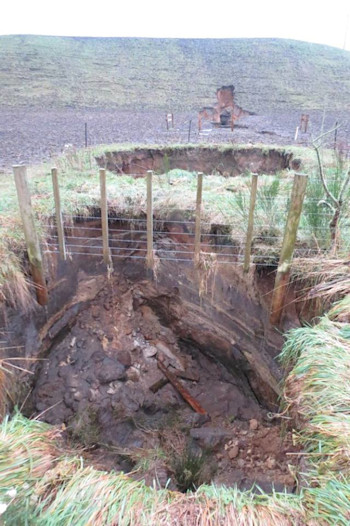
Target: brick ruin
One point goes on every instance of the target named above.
(225, 112)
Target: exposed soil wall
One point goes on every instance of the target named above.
(100, 339)
(228, 161)
(229, 320)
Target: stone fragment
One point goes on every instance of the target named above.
(195, 419)
(240, 463)
(233, 452)
(110, 370)
(271, 463)
(95, 312)
(98, 356)
(149, 351)
(136, 345)
(253, 424)
(133, 374)
(93, 395)
(78, 395)
(124, 358)
(72, 380)
(210, 437)
(169, 353)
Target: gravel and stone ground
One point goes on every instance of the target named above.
(30, 135)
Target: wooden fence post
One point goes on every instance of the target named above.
(149, 257)
(248, 243)
(31, 238)
(197, 227)
(189, 131)
(58, 212)
(290, 235)
(104, 219)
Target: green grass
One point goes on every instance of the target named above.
(317, 389)
(175, 74)
(58, 489)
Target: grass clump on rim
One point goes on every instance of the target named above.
(317, 391)
(52, 489)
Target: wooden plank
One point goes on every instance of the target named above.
(159, 384)
(286, 256)
(181, 389)
(186, 375)
(104, 219)
(248, 243)
(30, 234)
(58, 213)
(149, 257)
(197, 228)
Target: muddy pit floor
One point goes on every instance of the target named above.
(103, 384)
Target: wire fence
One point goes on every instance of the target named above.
(175, 240)
(254, 225)
(222, 237)
(227, 247)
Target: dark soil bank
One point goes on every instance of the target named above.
(103, 380)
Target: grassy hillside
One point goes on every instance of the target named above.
(173, 74)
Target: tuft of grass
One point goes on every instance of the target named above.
(322, 281)
(14, 286)
(192, 469)
(84, 428)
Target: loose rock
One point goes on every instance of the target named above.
(271, 463)
(110, 370)
(253, 424)
(209, 437)
(149, 351)
(233, 452)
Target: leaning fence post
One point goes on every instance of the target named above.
(149, 257)
(31, 238)
(248, 243)
(197, 227)
(58, 212)
(104, 219)
(290, 235)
